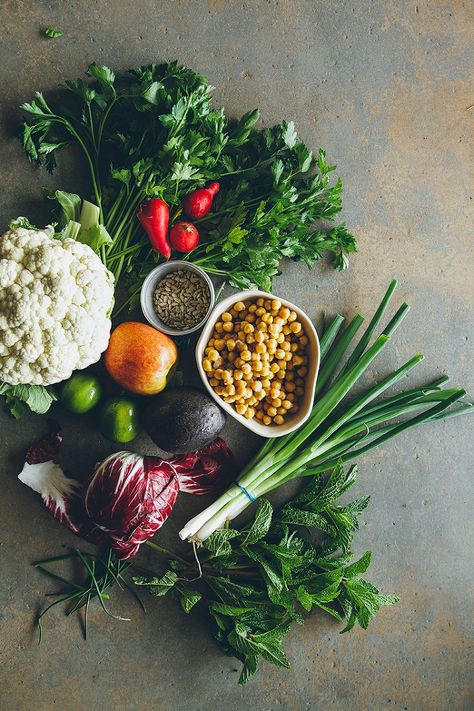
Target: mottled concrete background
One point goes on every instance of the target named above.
(386, 87)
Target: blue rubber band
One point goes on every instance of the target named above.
(242, 488)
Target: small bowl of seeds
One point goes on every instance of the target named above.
(177, 298)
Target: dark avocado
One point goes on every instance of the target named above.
(180, 420)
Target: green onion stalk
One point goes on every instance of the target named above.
(340, 427)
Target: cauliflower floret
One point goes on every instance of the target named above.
(55, 304)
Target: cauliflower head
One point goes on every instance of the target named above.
(55, 303)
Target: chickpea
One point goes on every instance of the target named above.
(252, 308)
(260, 301)
(213, 354)
(262, 326)
(219, 344)
(260, 311)
(294, 347)
(248, 377)
(206, 364)
(252, 400)
(266, 420)
(281, 375)
(254, 356)
(284, 312)
(302, 371)
(290, 387)
(287, 404)
(303, 340)
(266, 384)
(241, 409)
(296, 327)
(281, 411)
(239, 306)
(259, 336)
(228, 326)
(257, 386)
(289, 376)
(286, 330)
(238, 375)
(274, 392)
(279, 353)
(246, 355)
(291, 397)
(297, 360)
(219, 362)
(292, 316)
(294, 409)
(265, 372)
(250, 318)
(230, 399)
(230, 389)
(248, 328)
(299, 382)
(249, 413)
(226, 376)
(271, 411)
(280, 338)
(260, 395)
(260, 349)
(220, 390)
(267, 318)
(246, 368)
(231, 344)
(276, 402)
(274, 368)
(214, 382)
(274, 330)
(257, 366)
(299, 391)
(278, 420)
(259, 415)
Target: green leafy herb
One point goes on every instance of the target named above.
(155, 132)
(256, 582)
(52, 32)
(100, 574)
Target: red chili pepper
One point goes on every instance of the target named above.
(154, 217)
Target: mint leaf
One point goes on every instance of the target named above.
(158, 586)
(261, 523)
(52, 32)
(249, 668)
(218, 542)
(359, 566)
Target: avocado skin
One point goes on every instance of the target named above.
(180, 420)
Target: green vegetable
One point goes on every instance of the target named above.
(254, 583)
(80, 393)
(118, 420)
(101, 573)
(52, 32)
(155, 133)
(23, 398)
(337, 430)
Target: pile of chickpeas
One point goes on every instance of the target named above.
(257, 360)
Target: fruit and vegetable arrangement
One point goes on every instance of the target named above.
(179, 193)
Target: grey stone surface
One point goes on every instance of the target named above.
(386, 87)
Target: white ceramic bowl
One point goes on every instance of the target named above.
(293, 421)
(148, 288)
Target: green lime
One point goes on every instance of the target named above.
(80, 393)
(119, 420)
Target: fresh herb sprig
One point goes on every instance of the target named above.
(155, 133)
(256, 582)
(101, 572)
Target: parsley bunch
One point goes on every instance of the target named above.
(256, 582)
(155, 133)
